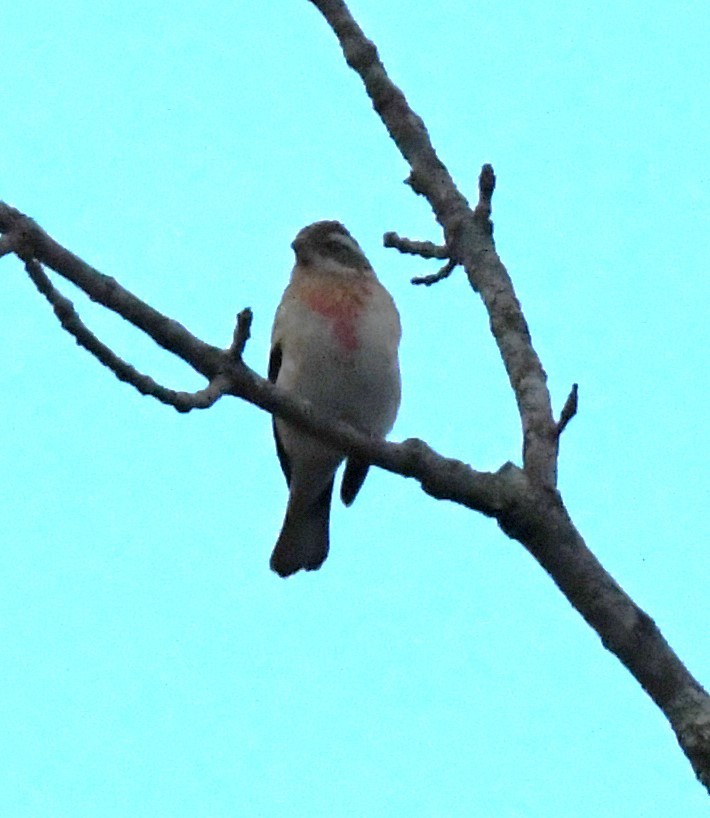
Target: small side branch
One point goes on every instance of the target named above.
(523, 507)
(29, 242)
(434, 278)
(569, 410)
(72, 323)
(242, 332)
(486, 186)
(425, 249)
(468, 238)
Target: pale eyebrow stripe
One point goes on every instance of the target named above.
(346, 241)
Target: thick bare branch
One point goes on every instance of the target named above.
(545, 529)
(6, 245)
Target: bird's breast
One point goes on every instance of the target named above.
(342, 305)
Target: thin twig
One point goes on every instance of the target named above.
(72, 323)
(425, 249)
(445, 272)
(31, 242)
(486, 186)
(242, 332)
(569, 410)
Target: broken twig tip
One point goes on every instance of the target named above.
(242, 332)
(569, 410)
(486, 186)
(487, 182)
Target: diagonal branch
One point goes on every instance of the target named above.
(523, 502)
(524, 510)
(468, 237)
(441, 477)
(30, 241)
(551, 538)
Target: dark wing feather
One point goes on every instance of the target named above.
(274, 366)
(353, 478)
(275, 359)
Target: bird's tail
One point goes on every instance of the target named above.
(303, 541)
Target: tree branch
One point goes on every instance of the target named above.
(69, 319)
(435, 278)
(524, 502)
(30, 241)
(425, 249)
(6, 246)
(440, 477)
(526, 511)
(468, 237)
(569, 410)
(486, 186)
(543, 525)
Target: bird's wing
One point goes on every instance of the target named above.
(274, 366)
(353, 478)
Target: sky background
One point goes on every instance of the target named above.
(151, 664)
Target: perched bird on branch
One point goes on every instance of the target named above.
(334, 342)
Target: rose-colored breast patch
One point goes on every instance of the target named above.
(342, 305)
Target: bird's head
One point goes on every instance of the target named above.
(328, 242)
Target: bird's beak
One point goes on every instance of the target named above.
(297, 246)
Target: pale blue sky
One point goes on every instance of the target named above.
(151, 663)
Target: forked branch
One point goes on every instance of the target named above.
(69, 319)
(543, 525)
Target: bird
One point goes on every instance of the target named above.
(334, 342)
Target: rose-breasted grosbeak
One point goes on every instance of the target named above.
(334, 342)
